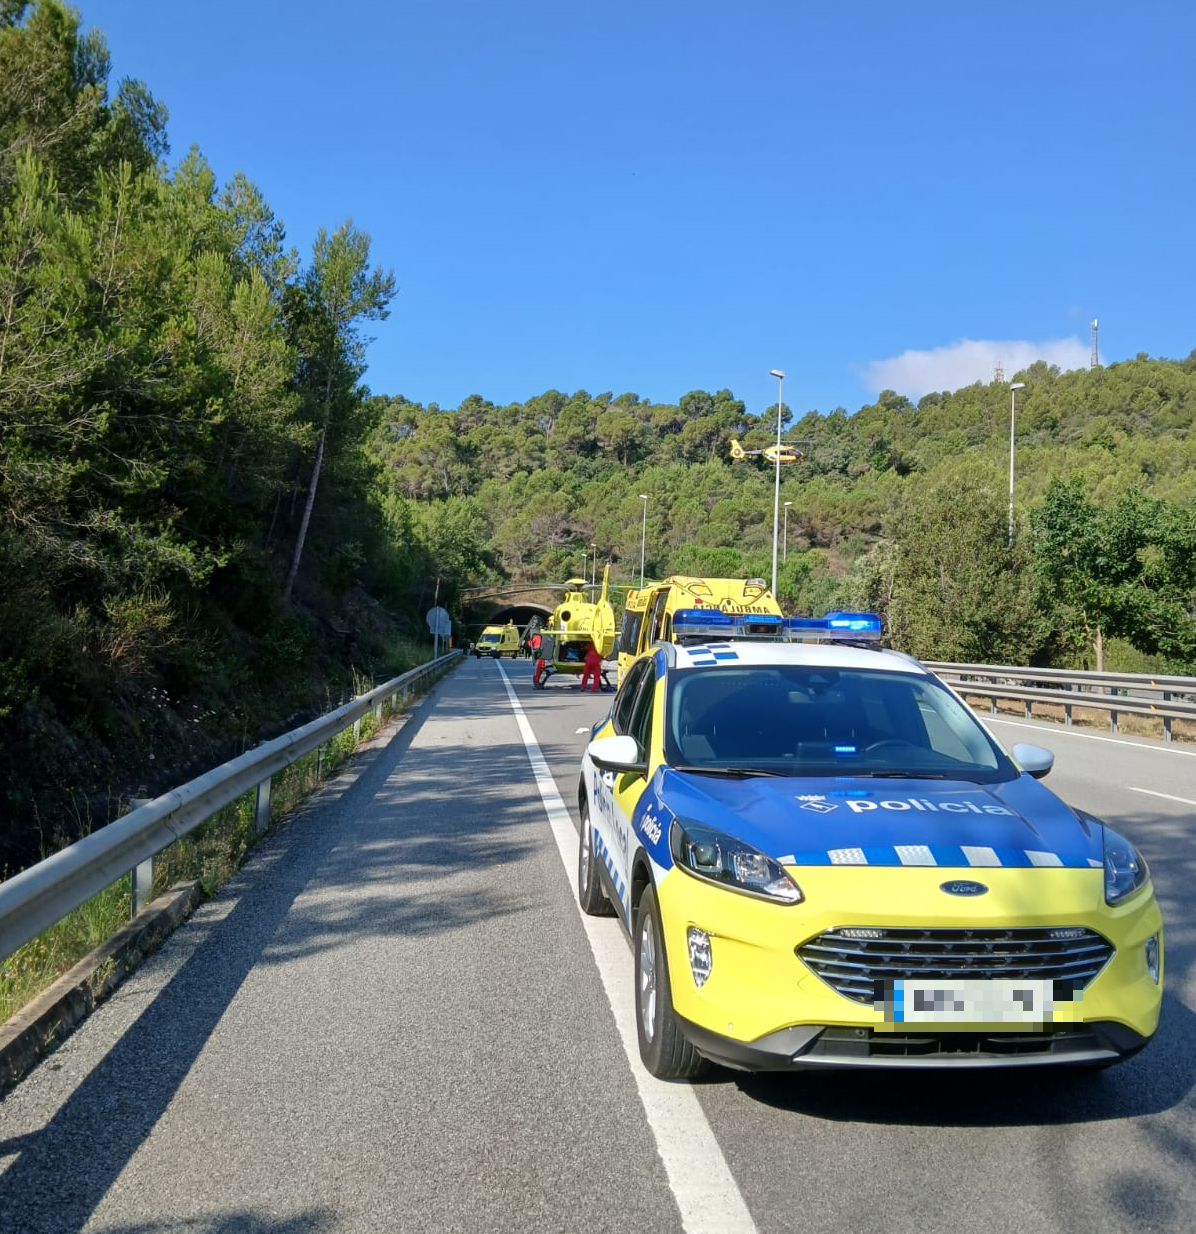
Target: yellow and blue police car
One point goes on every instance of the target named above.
(824, 859)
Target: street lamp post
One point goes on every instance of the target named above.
(1013, 389)
(594, 567)
(776, 499)
(643, 537)
(785, 542)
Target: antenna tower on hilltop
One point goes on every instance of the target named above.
(1095, 361)
(999, 373)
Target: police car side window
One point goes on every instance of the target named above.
(641, 714)
(625, 702)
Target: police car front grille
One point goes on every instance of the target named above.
(861, 962)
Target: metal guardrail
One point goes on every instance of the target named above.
(1162, 698)
(43, 894)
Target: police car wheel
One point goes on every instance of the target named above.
(663, 1047)
(590, 895)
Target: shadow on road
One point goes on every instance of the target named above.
(364, 829)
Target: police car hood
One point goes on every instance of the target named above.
(897, 822)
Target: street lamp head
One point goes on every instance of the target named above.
(775, 372)
(643, 497)
(789, 503)
(1018, 385)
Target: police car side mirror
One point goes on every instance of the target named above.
(620, 754)
(1033, 760)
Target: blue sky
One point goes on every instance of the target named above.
(657, 196)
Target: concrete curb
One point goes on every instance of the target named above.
(42, 1025)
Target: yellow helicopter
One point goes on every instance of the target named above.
(576, 622)
(785, 453)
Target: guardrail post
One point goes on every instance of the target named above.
(261, 811)
(142, 878)
(1112, 713)
(143, 886)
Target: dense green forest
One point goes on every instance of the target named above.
(899, 508)
(209, 526)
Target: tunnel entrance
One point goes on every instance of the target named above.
(520, 614)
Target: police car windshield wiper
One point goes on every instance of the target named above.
(741, 773)
(902, 775)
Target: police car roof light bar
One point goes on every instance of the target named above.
(701, 624)
(698, 624)
(836, 627)
(695, 624)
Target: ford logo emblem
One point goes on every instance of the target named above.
(963, 887)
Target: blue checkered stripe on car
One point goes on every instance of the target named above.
(711, 653)
(951, 856)
(604, 853)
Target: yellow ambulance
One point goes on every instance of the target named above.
(648, 616)
(498, 641)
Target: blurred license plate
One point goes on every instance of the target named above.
(972, 1002)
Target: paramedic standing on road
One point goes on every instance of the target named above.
(593, 669)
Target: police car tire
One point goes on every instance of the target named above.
(666, 1054)
(590, 895)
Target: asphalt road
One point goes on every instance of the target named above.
(396, 1019)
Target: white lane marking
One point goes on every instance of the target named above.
(1183, 801)
(1163, 747)
(699, 1177)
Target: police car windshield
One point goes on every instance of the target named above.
(803, 720)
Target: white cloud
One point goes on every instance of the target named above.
(914, 373)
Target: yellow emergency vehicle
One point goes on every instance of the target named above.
(498, 641)
(648, 616)
(576, 622)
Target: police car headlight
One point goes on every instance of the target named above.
(1125, 868)
(722, 859)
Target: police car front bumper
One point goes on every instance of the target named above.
(816, 1047)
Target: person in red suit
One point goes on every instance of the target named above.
(592, 670)
(543, 648)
